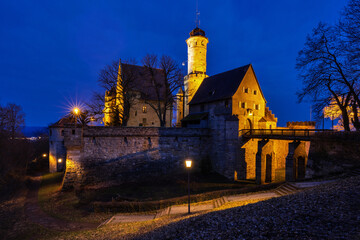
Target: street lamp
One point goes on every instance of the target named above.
(188, 166)
(59, 160)
(76, 112)
(44, 155)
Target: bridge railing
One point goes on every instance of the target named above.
(282, 132)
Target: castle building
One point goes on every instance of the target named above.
(236, 92)
(143, 97)
(216, 114)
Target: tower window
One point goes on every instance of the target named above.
(144, 110)
(257, 106)
(255, 92)
(243, 105)
(246, 90)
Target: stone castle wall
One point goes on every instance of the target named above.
(334, 152)
(116, 154)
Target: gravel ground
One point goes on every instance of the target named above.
(329, 211)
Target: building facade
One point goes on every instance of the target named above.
(143, 100)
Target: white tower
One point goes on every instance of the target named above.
(196, 43)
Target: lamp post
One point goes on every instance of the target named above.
(188, 166)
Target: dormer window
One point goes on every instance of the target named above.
(144, 110)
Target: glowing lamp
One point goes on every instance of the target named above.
(59, 160)
(76, 111)
(188, 163)
(44, 155)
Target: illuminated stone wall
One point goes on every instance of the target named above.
(247, 166)
(141, 113)
(112, 155)
(148, 118)
(248, 94)
(115, 155)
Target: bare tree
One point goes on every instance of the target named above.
(118, 85)
(326, 71)
(166, 77)
(12, 118)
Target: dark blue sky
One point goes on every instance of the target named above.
(51, 51)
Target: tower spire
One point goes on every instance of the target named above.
(197, 15)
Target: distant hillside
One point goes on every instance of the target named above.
(34, 131)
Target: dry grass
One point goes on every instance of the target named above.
(64, 205)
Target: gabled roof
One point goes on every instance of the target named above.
(66, 121)
(142, 82)
(221, 86)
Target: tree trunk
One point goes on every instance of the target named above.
(345, 118)
(355, 121)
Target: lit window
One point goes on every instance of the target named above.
(144, 109)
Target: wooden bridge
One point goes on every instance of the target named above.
(283, 134)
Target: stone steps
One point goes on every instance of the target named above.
(219, 202)
(286, 189)
(163, 212)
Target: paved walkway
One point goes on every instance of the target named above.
(284, 189)
(35, 214)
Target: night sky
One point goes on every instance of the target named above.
(52, 51)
